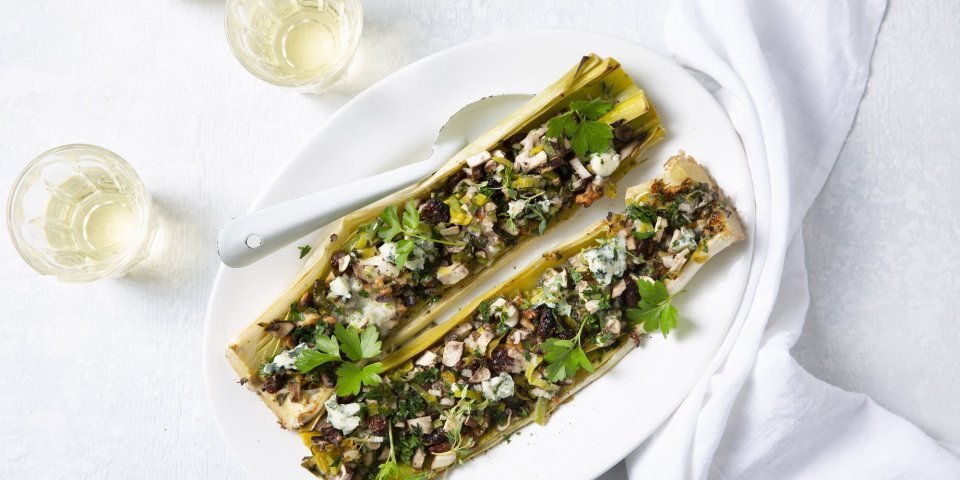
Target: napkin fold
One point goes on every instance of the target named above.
(790, 75)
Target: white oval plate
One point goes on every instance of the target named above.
(394, 122)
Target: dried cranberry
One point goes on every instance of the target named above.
(273, 383)
(546, 322)
(434, 211)
(436, 438)
(331, 434)
(377, 424)
(439, 448)
(495, 187)
(501, 361)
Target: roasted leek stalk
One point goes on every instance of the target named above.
(521, 350)
(391, 268)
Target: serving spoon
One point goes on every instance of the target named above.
(245, 239)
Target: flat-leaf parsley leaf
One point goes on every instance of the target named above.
(655, 310)
(308, 359)
(580, 124)
(350, 376)
(565, 357)
(357, 344)
(391, 224)
(403, 250)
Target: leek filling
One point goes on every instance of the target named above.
(413, 253)
(496, 368)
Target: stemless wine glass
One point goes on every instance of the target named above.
(80, 213)
(301, 44)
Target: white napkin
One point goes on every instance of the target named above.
(790, 75)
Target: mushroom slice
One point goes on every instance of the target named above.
(425, 423)
(443, 460)
(452, 352)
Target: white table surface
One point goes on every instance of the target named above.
(102, 380)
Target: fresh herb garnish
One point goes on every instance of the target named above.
(326, 350)
(410, 227)
(675, 217)
(350, 376)
(404, 249)
(655, 310)
(508, 192)
(581, 126)
(411, 218)
(535, 212)
(304, 250)
(408, 445)
(484, 310)
(357, 345)
(391, 224)
(565, 357)
(391, 470)
(427, 375)
(643, 213)
(294, 315)
(409, 405)
(455, 420)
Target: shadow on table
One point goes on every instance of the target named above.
(173, 262)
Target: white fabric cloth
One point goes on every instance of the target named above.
(790, 74)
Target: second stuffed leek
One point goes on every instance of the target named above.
(519, 351)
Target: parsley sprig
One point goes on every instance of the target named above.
(357, 345)
(655, 310)
(410, 227)
(580, 124)
(455, 420)
(391, 470)
(565, 357)
(645, 215)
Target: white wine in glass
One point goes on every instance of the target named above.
(80, 212)
(303, 44)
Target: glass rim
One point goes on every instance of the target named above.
(118, 266)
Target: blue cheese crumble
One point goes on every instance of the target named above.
(608, 260)
(344, 417)
(286, 360)
(497, 388)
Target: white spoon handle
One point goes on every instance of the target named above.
(248, 238)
